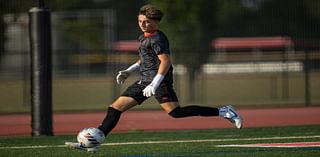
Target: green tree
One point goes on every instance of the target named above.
(233, 19)
(12, 6)
(189, 25)
(293, 18)
(57, 5)
(126, 23)
(126, 17)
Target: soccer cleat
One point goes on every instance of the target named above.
(77, 145)
(231, 114)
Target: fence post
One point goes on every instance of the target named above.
(41, 87)
(306, 78)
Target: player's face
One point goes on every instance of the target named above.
(147, 25)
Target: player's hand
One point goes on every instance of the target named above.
(150, 90)
(122, 76)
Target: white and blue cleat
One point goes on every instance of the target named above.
(76, 145)
(232, 115)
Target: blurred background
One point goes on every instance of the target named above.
(251, 53)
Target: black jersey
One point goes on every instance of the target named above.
(151, 46)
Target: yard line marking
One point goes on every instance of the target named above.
(275, 145)
(209, 140)
(168, 142)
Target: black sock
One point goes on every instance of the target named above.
(194, 110)
(110, 121)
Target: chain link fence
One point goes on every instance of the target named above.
(85, 62)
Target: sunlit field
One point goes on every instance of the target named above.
(298, 141)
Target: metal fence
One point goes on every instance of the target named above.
(85, 63)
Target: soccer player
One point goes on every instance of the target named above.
(156, 79)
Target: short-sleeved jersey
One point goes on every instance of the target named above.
(151, 46)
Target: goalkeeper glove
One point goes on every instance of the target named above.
(152, 87)
(124, 74)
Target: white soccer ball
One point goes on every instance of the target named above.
(90, 137)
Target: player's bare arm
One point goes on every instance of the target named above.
(165, 63)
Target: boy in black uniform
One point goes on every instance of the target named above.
(156, 79)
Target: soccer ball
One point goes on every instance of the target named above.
(90, 137)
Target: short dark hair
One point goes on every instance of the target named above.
(151, 12)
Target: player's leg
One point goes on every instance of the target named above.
(114, 113)
(109, 122)
(129, 98)
(168, 100)
(228, 112)
(166, 96)
(174, 110)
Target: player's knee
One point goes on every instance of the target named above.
(176, 113)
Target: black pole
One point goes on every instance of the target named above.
(41, 3)
(41, 88)
(306, 78)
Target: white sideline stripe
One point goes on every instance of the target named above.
(257, 146)
(166, 142)
(274, 145)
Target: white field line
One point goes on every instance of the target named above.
(275, 145)
(167, 142)
(257, 146)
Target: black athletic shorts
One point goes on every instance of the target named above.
(164, 93)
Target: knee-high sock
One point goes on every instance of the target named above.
(194, 110)
(110, 120)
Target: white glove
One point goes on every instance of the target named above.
(124, 74)
(150, 90)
